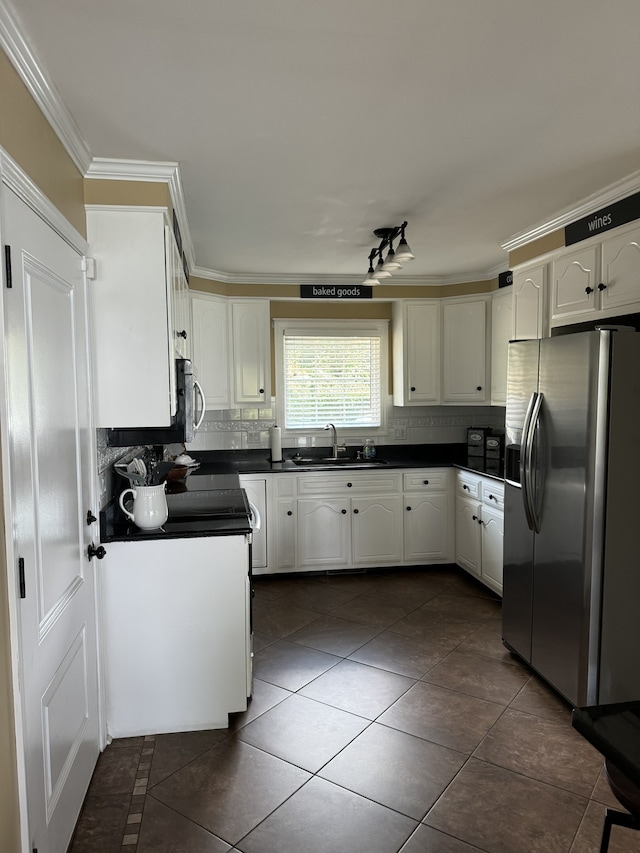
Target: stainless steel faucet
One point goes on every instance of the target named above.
(335, 440)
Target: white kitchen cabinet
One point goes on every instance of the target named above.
(132, 322)
(181, 308)
(597, 279)
(480, 527)
(501, 331)
(176, 633)
(530, 302)
(210, 322)
(282, 518)
(324, 533)
(416, 352)
(376, 530)
(428, 516)
(251, 352)
(466, 330)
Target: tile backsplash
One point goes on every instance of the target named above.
(248, 429)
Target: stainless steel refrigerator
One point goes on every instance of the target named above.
(571, 596)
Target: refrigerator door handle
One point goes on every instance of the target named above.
(525, 462)
(533, 426)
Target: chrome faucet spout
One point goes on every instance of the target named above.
(335, 440)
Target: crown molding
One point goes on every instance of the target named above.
(12, 176)
(320, 278)
(32, 73)
(150, 171)
(614, 192)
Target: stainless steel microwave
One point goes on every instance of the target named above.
(184, 423)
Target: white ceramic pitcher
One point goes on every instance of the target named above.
(149, 506)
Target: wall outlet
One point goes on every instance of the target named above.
(400, 433)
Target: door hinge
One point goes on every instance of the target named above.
(21, 580)
(7, 266)
(89, 266)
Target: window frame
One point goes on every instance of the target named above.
(326, 327)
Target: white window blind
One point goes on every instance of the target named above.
(331, 378)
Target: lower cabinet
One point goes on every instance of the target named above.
(479, 526)
(357, 519)
(176, 633)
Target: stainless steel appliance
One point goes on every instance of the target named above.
(184, 423)
(571, 605)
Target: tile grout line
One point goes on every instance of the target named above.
(138, 796)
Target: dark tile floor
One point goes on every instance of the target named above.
(387, 716)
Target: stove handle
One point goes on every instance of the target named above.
(255, 519)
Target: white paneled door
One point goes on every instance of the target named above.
(49, 423)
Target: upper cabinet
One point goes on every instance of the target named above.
(466, 331)
(251, 346)
(501, 332)
(132, 316)
(209, 320)
(181, 309)
(530, 312)
(600, 278)
(232, 350)
(416, 353)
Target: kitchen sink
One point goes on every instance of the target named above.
(341, 462)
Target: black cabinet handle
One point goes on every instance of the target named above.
(356, 511)
(344, 512)
(474, 517)
(588, 290)
(426, 482)
(90, 517)
(289, 512)
(98, 552)
(478, 387)
(464, 486)
(262, 390)
(408, 509)
(182, 334)
(602, 287)
(349, 485)
(413, 387)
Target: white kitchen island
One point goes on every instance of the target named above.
(176, 629)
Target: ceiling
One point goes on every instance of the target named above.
(299, 126)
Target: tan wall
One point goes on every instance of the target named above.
(549, 243)
(27, 136)
(134, 193)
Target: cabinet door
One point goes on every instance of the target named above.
(210, 349)
(621, 270)
(574, 283)
(376, 530)
(181, 313)
(492, 548)
(251, 367)
(416, 353)
(501, 330)
(131, 313)
(426, 527)
(464, 357)
(282, 538)
(529, 304)
(324, 533)
(468, 536)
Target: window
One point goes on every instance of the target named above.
(331, 372)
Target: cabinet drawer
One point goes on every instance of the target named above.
(349, 482)
(468, 485)
(431, 479)
(493, 493)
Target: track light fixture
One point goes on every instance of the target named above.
(385, 267)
